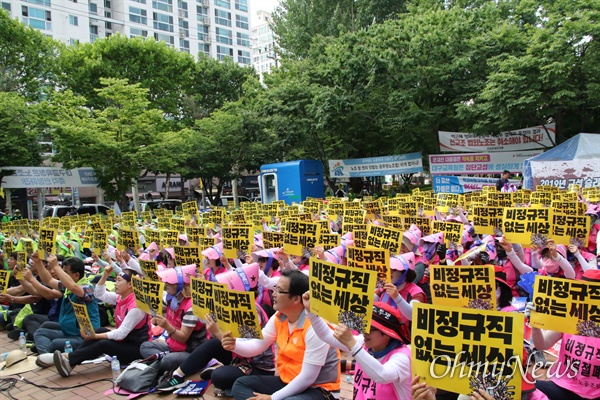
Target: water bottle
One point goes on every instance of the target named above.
(115, 365)
(68, 347)
(23, 342)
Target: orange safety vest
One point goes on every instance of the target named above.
(291, 348)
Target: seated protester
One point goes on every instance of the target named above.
(42, 300)
(268, 268)
(552, 261)
(402, 291)
(132, 327)
(234, 367)
(166, 258)
(564, 384)
(381, 355)
(75, 286)
(185, 330)
(11, 309)
(581, 260)
(307, 368)
(214, 262)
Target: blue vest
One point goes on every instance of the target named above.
(68, 322)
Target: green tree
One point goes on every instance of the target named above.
(19, 133)
(27, 59)
(111, 139)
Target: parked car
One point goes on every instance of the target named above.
(62, 210)
(169, 204)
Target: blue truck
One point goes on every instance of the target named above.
(291, 181)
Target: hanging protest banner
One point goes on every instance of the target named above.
(300, 237)
(169, 238)
(478, 163)
(377, 260)
(272, 239)
(4, 276)
(236, 312)
(237, 240)
(565, 305)
(342, 294)
(83, 319)
(520, 223)
(187, 255)
(464, 184)
(463, 350)
(149, 269)
(537, 137)
(128, 239)
(452, 230)
(384, 238)
(377, 166)
(487, 219)
(471, 286)
(203, 296)
(47, 243)
(148, 295)
(565, 227)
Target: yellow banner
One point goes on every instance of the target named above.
(446, 340)
(565, 305)
(452, 230)
(520, 223)
(385, 238)
(236, 312)
(565, 227)
(472, 286)
(237, 241)
(148, 295)
(487, 219)
(187, 255)
(342, 294)
(203, 297)
(83, 319)
(300, 237)
(47, 242)
(377, 260)
(149, 269)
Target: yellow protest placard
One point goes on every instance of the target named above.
(354, 216)
(163, 223)
(377, 260)
(566, 207)
(177, 224)
(452, 230)
(8, 246)
(237, 240)
(346, 227)
(300, 237)
(169, 238)
(342, 294)
(311, 207)
(47, 242)
(205, 242)
(408, 208)
(384, 238)
(499, 199)
(148, 295)
(128, 239)
(565, 227)
(128, 219)
(203, 297)
(150, 235)
(99, 242)
(487, 219)
(328, 240)
(394, 221)
(4, 276)
(446, 340)
(149, 269)
(236, 312)
(83, 319)
(21, 265)
(194, 233)
(187, 255)
(565, 305)
(335, 209)
(446, 201)
(520, 223)
(471, 286)
(360, 237)
(423, 223)
(272, 239)
(29, 246)
(541, 197)
(189, 208)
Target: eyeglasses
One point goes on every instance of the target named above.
(278, 290)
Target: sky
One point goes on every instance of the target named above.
(265, 5)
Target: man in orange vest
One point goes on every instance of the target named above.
(307, 367)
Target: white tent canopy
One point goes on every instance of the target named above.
(575, 161)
